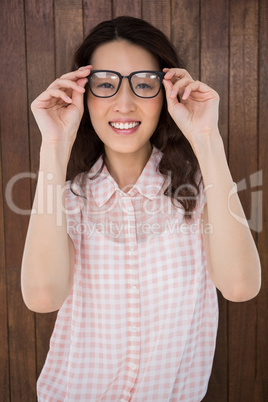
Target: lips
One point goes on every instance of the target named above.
(124, 125)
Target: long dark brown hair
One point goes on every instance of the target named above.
(178, 160)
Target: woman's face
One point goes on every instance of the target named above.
(124, 106)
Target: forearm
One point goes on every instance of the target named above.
(234, 261)
(46, 273)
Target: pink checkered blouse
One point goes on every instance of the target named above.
(140, 322)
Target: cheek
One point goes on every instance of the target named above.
(156, 106)
(96, 111)
(92, 104)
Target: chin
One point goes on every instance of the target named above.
(127, 148)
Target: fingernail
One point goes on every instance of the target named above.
(185, 95)
(172, 94)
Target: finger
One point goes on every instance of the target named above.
(82, 82)
(195, 86)
(78, 97)
(48, 95)
(58, 93)
(176, 73)
(66, 84)
(168, 87)
(179, 86)
(83, 71)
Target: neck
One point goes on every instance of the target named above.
(127, 168)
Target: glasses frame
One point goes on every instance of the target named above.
(160, 74)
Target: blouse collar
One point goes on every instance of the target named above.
(148, 184)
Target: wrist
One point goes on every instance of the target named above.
(55, 154)
(206, 144)
(212, 160)
(61, 148)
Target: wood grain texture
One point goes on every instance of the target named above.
(158, 13)
(243, 161)
(225, 43)
(4, 340)
(68, 32)
(243, 87)
(214, 55)
(95, 12)
(39, 17)
(214, 66)
(185, 33)
(262, 327)
(4, 344)
(126, 7)
(15, 159)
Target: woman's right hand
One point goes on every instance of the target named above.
(59, 110)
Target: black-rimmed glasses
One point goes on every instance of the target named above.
(144, 84)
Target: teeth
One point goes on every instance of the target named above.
(124, 126)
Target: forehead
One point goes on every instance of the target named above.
(123, 57)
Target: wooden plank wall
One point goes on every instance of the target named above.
(225, 44)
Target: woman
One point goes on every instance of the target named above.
(132, 252)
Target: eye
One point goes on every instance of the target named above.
(106, 85)
(143, 86)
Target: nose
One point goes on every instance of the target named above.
(124, 100)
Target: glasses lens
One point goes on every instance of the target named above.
(104, 84)
(146, 84)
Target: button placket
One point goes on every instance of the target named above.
(133, 296)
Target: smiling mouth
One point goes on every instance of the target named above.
(125, 126)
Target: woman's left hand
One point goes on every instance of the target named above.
(197, 112)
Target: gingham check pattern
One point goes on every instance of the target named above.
(140, 322)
